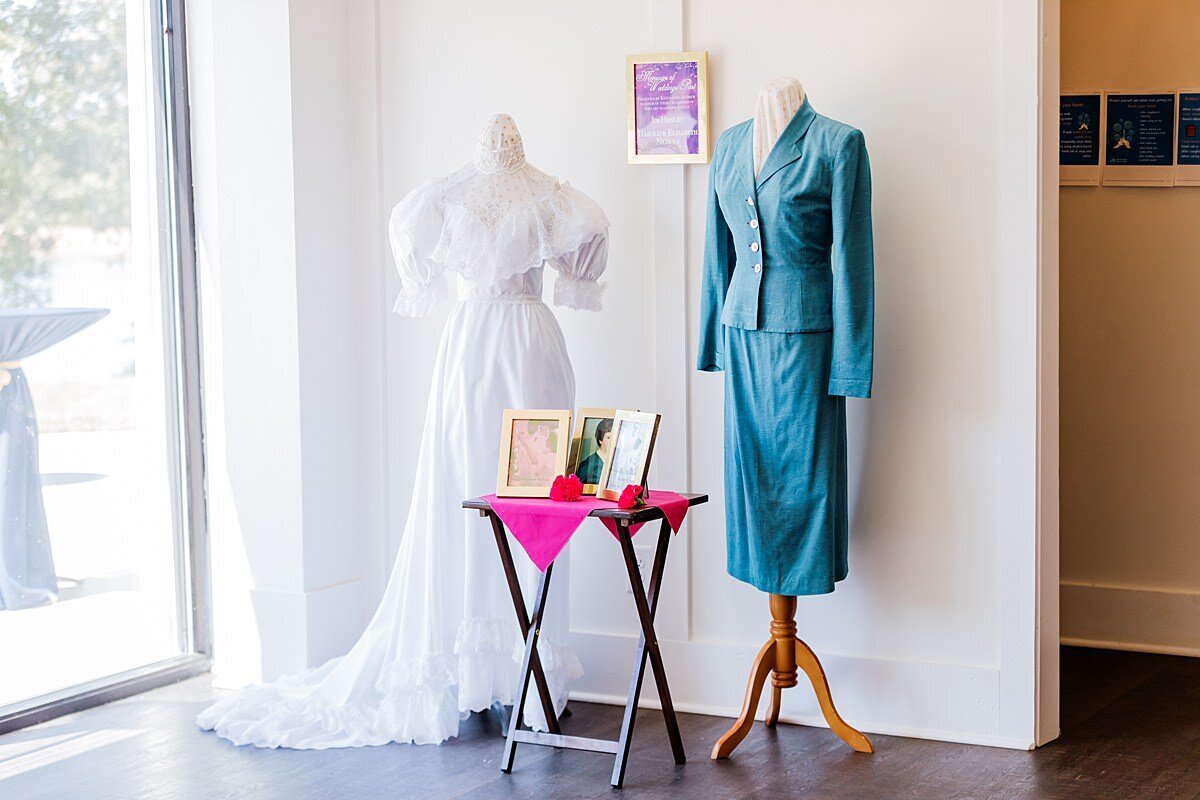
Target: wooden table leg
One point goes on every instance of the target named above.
(531, 640)
(518, 599)
(647, 605)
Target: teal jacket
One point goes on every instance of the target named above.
(791, 251)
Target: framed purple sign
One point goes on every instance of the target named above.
(666, 100)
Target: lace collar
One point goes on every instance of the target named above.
(497, 216)
(500, 150)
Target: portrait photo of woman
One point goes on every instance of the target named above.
(594, 448)
(591, 445)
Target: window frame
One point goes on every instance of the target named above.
(182, 334)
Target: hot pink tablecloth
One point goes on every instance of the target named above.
(543, 527)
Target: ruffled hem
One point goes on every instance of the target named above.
(417, 701)
(578, 293)
(285, 714)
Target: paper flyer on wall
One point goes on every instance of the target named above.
(1080, 123)
(1187, 138)
(1139, 136)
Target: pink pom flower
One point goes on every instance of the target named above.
(566, 489)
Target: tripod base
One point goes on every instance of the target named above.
(780, 658)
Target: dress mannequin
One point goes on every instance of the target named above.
(778, 101)
(783, 654)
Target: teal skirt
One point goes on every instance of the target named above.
(785, 463)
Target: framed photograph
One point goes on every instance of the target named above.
(666, 108)
(591, 445)
(633, 443)
(533, 451)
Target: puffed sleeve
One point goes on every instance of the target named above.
(577, 285)
(853, 263)
(580, 236)
(414, 230)
(718, 272)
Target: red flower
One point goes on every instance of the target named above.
(631, 497)
(566, 488)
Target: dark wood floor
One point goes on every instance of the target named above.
(1131, 729)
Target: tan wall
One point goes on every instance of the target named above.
(1130, 339)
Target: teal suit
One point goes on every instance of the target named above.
(787, 311)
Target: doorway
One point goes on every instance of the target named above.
(1129, 342)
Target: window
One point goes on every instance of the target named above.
(101, 515)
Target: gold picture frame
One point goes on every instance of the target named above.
(677, 85)
(534, 444)
(634, 433)
(582, 451)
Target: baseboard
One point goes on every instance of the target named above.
(1140, 619)
(289, 631)
(943, 702)
(908, 732)
(335, 619)
(1132, 647)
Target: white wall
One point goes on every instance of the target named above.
(942, 470)
(935, 631)
(286, 382)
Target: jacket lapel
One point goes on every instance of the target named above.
(787, 149)
(743, 159)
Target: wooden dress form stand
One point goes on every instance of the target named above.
(780, 657)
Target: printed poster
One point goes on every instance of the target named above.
(1187, 137)
(666, 103)
(667, 108)
(1079, 129)
(1139, 145)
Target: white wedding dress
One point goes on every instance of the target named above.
(444, 641)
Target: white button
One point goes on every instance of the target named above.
(749, 201)
(753, 223)
(758, 267)
(754, 246)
